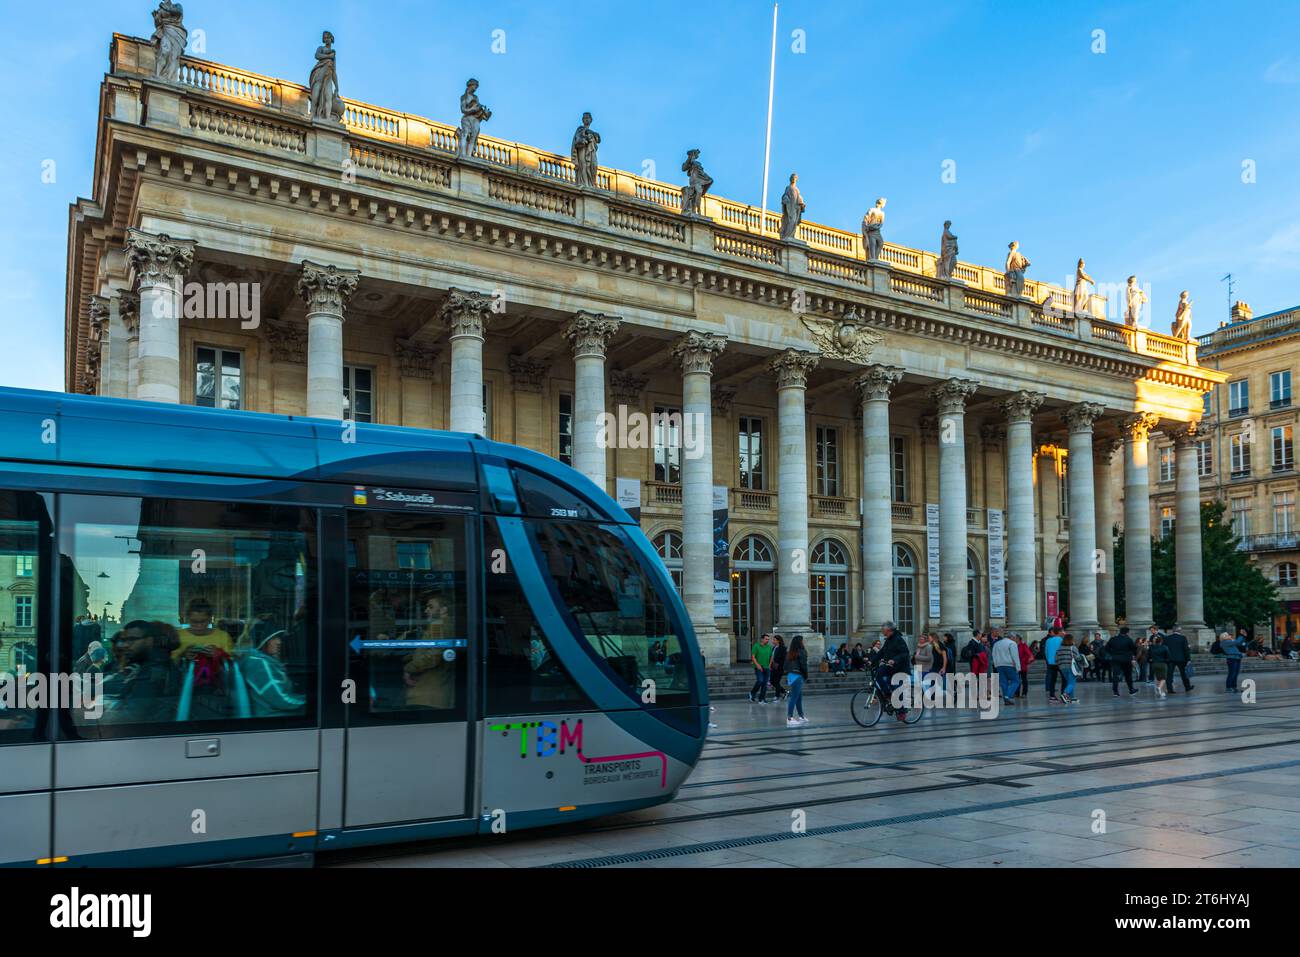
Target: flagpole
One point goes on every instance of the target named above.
(767, 151)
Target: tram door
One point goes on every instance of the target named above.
(409, 652)
(25, 776)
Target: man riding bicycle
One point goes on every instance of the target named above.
(895, 657)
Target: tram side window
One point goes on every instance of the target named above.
(408, 623)
(22, 589)
(620, 614)
(204, 613)
(523, 674)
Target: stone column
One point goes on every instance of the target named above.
(159, 264)
(1190, 590)
(589, 334)
(951, 401)
(874, 388)
(695, 354)
(1083, 520)
(1104, 508)
(1138, 609)
(100, 345)
(791, 369)
(326, 290)
(466, 314)
(1022, 597)
(128, 307)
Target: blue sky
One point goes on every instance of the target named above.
(1131, 158)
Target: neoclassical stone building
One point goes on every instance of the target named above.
(877, 442)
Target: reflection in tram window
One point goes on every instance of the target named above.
(618, 611)
(206, 612)
(21, 581)
(408, 631)
(523, 674)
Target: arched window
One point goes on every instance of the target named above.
(668, 545)
(1286, 574)
(972, 590)
(828, 587)
(904, 589)
(754, 550)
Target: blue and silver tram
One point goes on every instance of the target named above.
(228, 636)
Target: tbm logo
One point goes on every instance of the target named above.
(550, 738)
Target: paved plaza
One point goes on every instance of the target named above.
(1199, 780)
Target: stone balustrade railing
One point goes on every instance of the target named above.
(1249, 330)
(422, 152)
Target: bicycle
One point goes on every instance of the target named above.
(868, 707)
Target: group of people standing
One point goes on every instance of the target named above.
(772, 661)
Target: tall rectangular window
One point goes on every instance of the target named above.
(1167, 464)
(359, 393)
(1283, 459)
(1166, 522)
(828, 462)
(1279, 389)
(1239, 397)
(750, 452)
(1241, 517)
(566, 428)
(1205, 403)
(25, 566)
(487, 410)
(668, 445)
(1065, 488)
(217, 378)
(898, 467)
(1204, 458)
(23, 611)
(1284, 512)
(1239, 449)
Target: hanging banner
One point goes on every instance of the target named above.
(628, 495)
(721, 554)
(932, 557)
(997, 569)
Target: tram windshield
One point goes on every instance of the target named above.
(619, 613)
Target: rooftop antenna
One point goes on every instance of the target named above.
(767, 151)
(1232, 287)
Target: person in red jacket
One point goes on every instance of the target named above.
(979, 663)
(1026, 658)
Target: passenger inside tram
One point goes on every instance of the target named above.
(429, 677)
(200, 633)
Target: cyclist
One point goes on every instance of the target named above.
(895, 657)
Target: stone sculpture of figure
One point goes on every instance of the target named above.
(792, 207)
(871, 226)
(586, 142)
(169, 39)
(1015, 271)
(1183, 318)
(1081, 282)
(326, 104)
(472, 114)
(698, 183)
(1136, 297)
(946, 267)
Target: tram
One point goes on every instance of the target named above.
(232, 637)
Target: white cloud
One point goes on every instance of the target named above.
(1285, 70)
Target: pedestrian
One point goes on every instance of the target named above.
(1180, 657)
(1050, 647)
(1140, 656)
(1159, 657)
(973, 648)
(778, 666)
(760, 656)
(1065, 660)
(940, 663)
(949, 653)
(1120, 650)
(1026, 659)
(1006, 659)
(1234, 649)
(858, 659)
(1101, 657)
(796, 671)
(923, 658)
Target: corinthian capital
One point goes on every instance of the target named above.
(327, 288)
(951, 396)
(626, 387)
(99, 312)
(157, 260)
(589, 333)
(878, 382)
(128, 307)
(466, 313)
(1187, 434)
(696, 351)
(528, 375)
(1022, 406)
(792, 368)
(1138, 427)
(1081, 417)
(416, 361)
